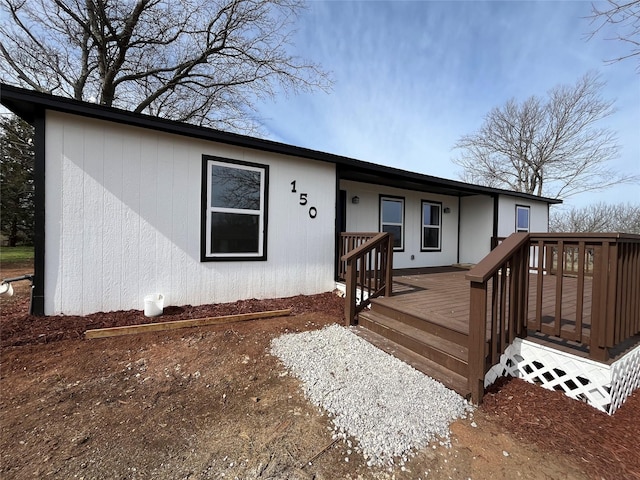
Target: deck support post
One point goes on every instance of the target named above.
(388, 291)
(597, 344)
(477, 336)
(350, 295)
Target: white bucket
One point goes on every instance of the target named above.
(6, 289)
(153, 305)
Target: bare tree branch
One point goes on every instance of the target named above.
(624, 17)
(201, 61)
(599, 217)
(550, 147)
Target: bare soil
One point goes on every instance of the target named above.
(212, 402)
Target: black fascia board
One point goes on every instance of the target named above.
(25, 103)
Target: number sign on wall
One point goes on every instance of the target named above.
(313, 211)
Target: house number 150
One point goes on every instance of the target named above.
(313, 211)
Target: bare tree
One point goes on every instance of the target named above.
(599, 217)
(624, 16)
(201, 61)
(549, 147)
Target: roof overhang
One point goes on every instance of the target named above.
(29, 104)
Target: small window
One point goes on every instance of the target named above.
(522, 218)
(234, 214)
(431, 226)
(392, 219)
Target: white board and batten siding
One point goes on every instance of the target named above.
(365, 217)
(476, 227)
(538, 215)
(123, 209)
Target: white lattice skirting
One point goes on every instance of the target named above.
(604, 387)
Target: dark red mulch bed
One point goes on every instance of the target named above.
(18, 328)
(606, 445)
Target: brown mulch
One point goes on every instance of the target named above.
(606, 445)
(17, 328)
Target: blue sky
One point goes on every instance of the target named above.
(412, 77)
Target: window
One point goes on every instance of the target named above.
(234, 210)
(522, 218)
(392, 219)
(431, 226)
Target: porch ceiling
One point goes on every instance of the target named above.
(422, 185)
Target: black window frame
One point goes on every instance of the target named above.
(528, 209)
(422, 226)
(402, 226)
(206, 209)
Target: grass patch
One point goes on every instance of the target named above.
(10, 255)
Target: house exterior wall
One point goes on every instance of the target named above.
(123, 213)
(476, 227)
(365, 217)
(538, 215)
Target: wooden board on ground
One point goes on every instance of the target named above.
(175, 324)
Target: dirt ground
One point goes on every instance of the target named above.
(211, 402)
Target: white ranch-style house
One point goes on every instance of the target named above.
(129, 204)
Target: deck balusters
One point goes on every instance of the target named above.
(367, 263)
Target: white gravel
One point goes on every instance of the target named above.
(386, 406)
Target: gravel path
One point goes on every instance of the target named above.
(388, 408)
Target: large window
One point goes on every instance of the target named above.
(392, 219)
(234, 210)
(431, 226)
(522, 218)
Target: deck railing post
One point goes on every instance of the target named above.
(389, 267)
(477, 340)
(597, 350)
(612, 312)
(350, 295)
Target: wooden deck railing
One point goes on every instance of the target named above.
(604, 272)
(368, 264)
(569, 258)
(504, 273)
(584, 289)
(349, 241)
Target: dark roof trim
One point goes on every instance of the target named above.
(28, 104)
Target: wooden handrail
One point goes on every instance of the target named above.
(492, 262)
(591, 236)
(368, 267)
(348, 242)
(358, 251)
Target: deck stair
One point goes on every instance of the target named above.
(429, 346)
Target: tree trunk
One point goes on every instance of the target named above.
(13, 233)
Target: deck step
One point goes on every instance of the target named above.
(438, 328)
(448, 378)
(450, 355)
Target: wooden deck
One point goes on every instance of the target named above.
(576, 292)
(426, 321)
(441, 295)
